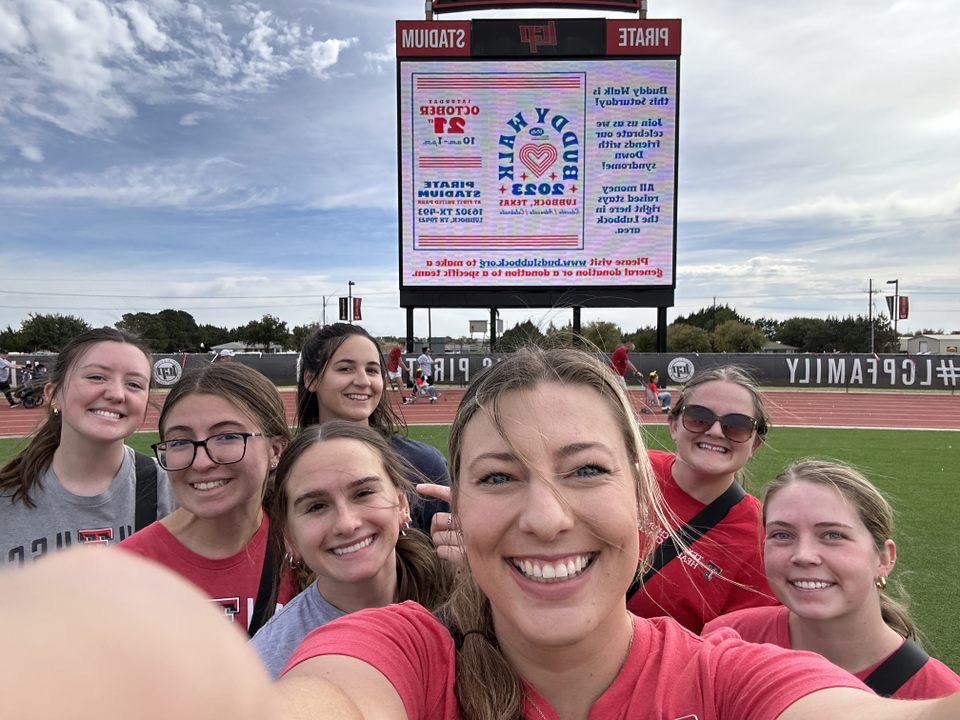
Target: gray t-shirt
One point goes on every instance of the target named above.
(62, 519)
(276, 641)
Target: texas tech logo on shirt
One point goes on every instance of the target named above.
(98, 536)
(230, 605)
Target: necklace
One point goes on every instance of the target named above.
(633, 633)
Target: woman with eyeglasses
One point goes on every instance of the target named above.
(222, 430)
(717, 426)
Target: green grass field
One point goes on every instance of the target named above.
(916, 470)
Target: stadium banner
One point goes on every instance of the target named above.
(851, 372)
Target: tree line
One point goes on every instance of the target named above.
(717, 328)
(168, 331)
(721, 329)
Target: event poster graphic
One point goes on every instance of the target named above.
(547, 173)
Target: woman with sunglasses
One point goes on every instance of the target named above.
(717, 426)
(222, 430)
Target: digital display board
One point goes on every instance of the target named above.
(538, 173)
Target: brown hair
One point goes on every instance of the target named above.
(871, 507)
(421, 575)
(314, 358)
(249, 390)
(487, 686)
(22, 474)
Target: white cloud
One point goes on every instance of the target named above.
(209, 184)
(31, 153)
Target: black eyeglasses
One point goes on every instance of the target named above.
(223, 448)
(736, 427)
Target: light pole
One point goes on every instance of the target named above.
(350, 284)
(896, 307)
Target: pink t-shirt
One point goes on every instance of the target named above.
(669, 674)
(772, 625)
(230, 582)
(706, 581)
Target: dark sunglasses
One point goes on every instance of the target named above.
(736, 427)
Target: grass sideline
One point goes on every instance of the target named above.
(915, 469)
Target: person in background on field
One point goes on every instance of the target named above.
(828, 554)
(662, 396)
(620, 362)
(717, 426)
(76, 481)
(422, 388)
(222, 430)
(394, 369)
(341, 516)
(548, 512)
(425, 363)
(6, 368)
(226, 355)
(342, 377)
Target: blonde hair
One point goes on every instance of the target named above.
(871, 507)
(487, 686)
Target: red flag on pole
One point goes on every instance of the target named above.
(904, 309)
(356, 308)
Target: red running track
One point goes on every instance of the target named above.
(807, 408)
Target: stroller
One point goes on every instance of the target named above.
(30, 394)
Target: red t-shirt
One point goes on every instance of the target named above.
(230, 582)
(393, 359)
(669, 674)
(772, 625)
(618, 360)
(693, 592)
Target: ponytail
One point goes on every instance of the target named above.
(21, 475)
(486, 684)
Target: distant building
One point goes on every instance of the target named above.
(777, 347)
(933, 344)
(241, 347)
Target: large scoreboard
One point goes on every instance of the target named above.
(538, 162)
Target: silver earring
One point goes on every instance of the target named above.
(291, 562)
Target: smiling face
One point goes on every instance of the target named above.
(820, 559)
(351, 383)
(104, 396)
(343, 518)
(549, 519)
(209, 490)
(709, 454)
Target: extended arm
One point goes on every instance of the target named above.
(335, 687)
(847, 704)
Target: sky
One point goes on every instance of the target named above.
(236, 159)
